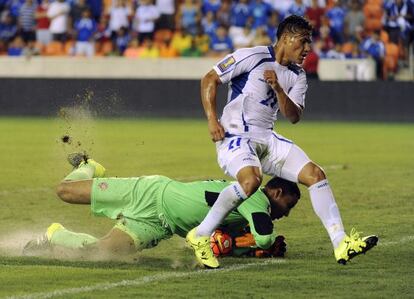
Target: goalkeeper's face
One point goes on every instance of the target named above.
(281, 203)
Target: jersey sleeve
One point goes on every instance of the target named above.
(298, 92)
(256, 211)
(239, 62)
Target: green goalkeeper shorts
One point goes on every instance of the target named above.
(135, 203)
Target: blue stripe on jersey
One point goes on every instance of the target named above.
(250, 147)
(237, 85)
(272, 52)
(294, 68)
(281, 139)
(228, 135)
(246, 127)
(237, 62)
(263, 61)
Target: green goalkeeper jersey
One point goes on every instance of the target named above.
(186, 204)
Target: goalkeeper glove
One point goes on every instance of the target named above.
(278, 249)
(246, 240)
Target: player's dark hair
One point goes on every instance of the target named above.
(293, 24)
(287, 187)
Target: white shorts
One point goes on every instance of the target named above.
(275, 156)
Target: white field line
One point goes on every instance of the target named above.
(403, 240)
(142, 280)
(334, 166)
(165, 276)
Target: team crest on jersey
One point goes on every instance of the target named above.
(103, 186)
(226, 64)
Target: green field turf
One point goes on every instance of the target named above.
(370, 166)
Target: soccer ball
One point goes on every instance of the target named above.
(221, 243)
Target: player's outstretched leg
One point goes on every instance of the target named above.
(41, 244)
(76, 186)
(325, 207)
(84, 167)
(323, 201)
(354, 245)
(115, 243)
(56, 234)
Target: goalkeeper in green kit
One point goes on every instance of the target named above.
(149, 209)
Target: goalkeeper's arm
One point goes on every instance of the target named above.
(277, 249)
(261, 229)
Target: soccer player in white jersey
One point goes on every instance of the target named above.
(262, 81)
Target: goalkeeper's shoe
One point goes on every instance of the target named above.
(202, 249)
(79, 159)
(354, 245)
(41, 244)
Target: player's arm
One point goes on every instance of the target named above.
(261, 228)
(231, 66)
(287, 106)
(209, 85)
(260, 222)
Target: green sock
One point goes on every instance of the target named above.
(68, 239)
(83, 172)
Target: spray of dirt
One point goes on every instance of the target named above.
(12, 244)
(77, 133)
(78, 121)
(78, 125)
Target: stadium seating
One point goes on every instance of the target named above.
(54, 48)
(106, 48)
(373, 11)
(161, 35)
(69, 47)
(347, 48)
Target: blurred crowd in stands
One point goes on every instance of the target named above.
(381, 29)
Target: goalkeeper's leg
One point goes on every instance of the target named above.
(77, 185)
(126, 237)
(76, 192)
(115, 243)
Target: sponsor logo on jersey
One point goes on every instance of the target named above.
(323, 185)
(236, 190)
(226, 64)
(249, 159)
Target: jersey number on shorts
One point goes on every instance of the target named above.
(271, 99)
(234, 143)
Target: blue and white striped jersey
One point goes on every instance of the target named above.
(252, 104)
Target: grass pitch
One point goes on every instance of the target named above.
(370, 166)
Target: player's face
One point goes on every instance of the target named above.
(281, 204)
(297, 46)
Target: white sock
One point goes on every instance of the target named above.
(325, 207)
(229, 198)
